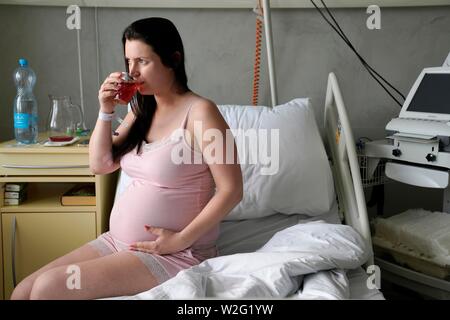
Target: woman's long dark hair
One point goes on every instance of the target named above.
(162, 35)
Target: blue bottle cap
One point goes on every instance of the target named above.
(23, 62)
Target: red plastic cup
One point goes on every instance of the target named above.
(127, 89)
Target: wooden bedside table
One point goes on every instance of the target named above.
(41, 229)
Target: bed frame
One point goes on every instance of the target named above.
(344, 164)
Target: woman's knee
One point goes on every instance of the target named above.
(49, 285)
(23, 289)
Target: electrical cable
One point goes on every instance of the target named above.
(347, 41)
(257, 63)
(371, 71)
(354, 50)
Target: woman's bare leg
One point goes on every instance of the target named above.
(23, 289)
(118, 274)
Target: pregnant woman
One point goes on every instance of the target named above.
(167, 218)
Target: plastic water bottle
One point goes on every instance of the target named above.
(25, 105)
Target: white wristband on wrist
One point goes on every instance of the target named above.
(106, 116)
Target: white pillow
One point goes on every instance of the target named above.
(300, 181)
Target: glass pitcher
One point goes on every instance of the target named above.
(64, 119)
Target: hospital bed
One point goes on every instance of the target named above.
(287, 221)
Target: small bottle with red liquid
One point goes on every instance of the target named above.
(127, 89)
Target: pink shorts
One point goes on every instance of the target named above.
(162, 267)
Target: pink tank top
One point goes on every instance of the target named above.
(163, 193)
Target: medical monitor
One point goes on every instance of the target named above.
(429, 97)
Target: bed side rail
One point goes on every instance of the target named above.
(345, 166)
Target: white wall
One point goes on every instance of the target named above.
(219, 45)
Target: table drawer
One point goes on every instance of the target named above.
(19, 164)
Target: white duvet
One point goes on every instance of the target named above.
(305, 261)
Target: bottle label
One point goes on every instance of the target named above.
(24, 120)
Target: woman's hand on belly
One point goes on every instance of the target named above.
(167, 242)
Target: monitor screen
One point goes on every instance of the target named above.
(432, 95)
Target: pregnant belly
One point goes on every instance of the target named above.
(145, 204)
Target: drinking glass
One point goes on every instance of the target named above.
(127, 89)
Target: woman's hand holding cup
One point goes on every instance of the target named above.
(116, 89)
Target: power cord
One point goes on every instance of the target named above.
(371, 71)
(258, 40)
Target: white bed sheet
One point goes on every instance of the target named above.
(250, 235)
